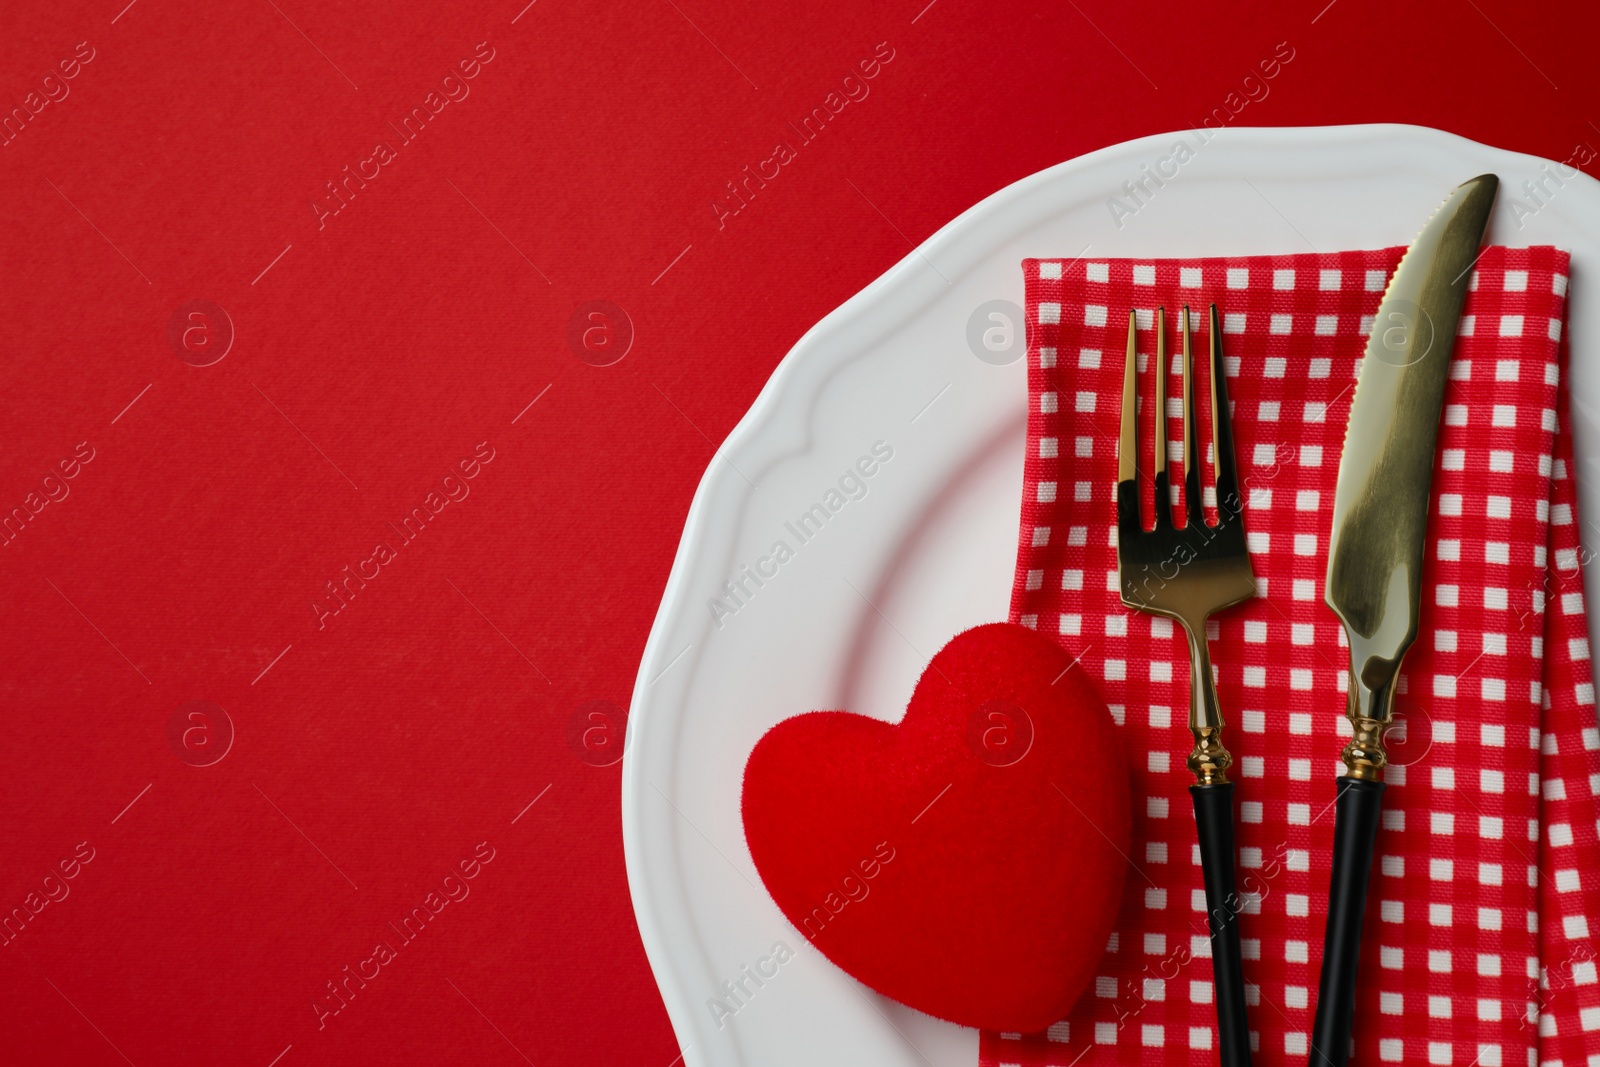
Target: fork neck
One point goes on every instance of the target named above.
(1209, 761)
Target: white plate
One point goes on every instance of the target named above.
(851, 619)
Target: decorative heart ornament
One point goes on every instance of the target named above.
(967, 862)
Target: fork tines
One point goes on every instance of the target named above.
(1150, 557)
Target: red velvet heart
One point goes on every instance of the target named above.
(967, 862)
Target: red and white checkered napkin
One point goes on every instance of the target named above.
(1477, 947)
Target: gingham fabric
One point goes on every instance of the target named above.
(1478, 932)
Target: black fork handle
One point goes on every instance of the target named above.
(1213, 819)
(1355, 835)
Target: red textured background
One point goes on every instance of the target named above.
(379, 350)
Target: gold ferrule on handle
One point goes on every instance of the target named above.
(1209, 761)
(1370, 709)
(1364, 757)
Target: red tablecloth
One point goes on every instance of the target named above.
(381, 344)
(1488, 868)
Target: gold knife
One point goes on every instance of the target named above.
(1375, 554)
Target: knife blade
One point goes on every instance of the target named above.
(1376, 550)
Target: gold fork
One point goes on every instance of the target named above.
(1187, 573)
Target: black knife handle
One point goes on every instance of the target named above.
(1355, 834)
(1213, 819)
